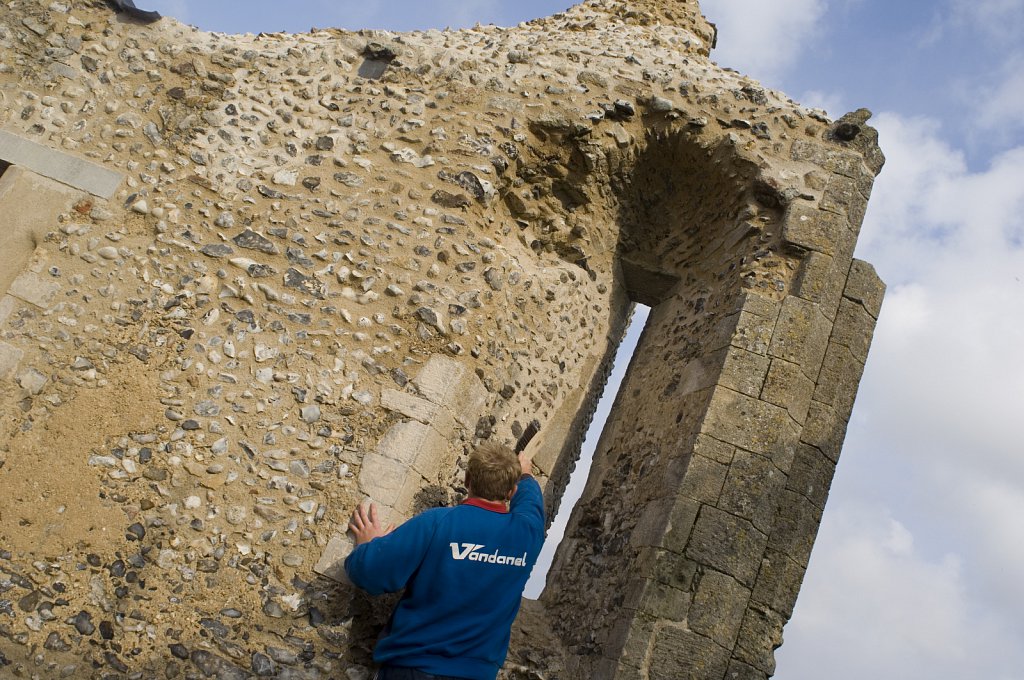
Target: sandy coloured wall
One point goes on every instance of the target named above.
(252, 280)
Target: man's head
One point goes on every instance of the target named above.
(493, 472)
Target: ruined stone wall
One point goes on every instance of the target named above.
(249, 281)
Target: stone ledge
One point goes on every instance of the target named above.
(62, 167)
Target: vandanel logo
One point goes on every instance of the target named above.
(471, 552)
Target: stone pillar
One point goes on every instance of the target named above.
(684, 558)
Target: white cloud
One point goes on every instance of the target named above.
(950, 242)
(830, 102)
(992, 510)
(930, 588)
(874, 606)
(997, 104)
(762, 38)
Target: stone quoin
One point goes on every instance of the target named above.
(248, 281)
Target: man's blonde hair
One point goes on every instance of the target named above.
(493, 471)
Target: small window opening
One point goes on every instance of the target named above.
(578, 478)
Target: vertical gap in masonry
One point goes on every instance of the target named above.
(578, 478)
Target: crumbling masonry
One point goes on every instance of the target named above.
(249, 281)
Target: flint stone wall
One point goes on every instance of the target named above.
(250, 281)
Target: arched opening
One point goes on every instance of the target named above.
(689, 223)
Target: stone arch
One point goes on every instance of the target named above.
(681, 558)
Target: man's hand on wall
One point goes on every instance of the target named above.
(366, 526)
(526, 462)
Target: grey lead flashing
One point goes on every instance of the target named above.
(128, 7)
(64, 168)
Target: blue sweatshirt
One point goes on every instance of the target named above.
(463, 570)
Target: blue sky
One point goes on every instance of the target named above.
(917, 570)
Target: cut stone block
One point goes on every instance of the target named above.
(667, 567)
(10, 356)
(417, 408)
(62, 167)
(789, 387)
(332, 562)
(719, 604)
(778, 582)
(727, 543)
(453, 385)
(796, 526)
(843, 196)
(811, 474)
(821, 279)
(704, 479)
(657, 599)
(745, 422)
(414, 445)
(760, 635)
(439, 379)
(34, 289)
(854, 329)
(741, 671)
(814, 229)
(681, 654)
(701, 373)
(752, 489)
(631, 641)
(801, 335)
(406, 502)
(744, 371)
(381, 478)
(839, 377)
(709, 447)
(7, 305)
(824, 429)
(864, 286)
(753, 333)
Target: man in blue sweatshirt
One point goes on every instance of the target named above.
(463, 570)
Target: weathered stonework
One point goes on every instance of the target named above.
(249, 281)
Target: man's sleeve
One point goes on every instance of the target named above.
(385, 564)
(528, 500)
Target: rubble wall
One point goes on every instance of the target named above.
(250, 281)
